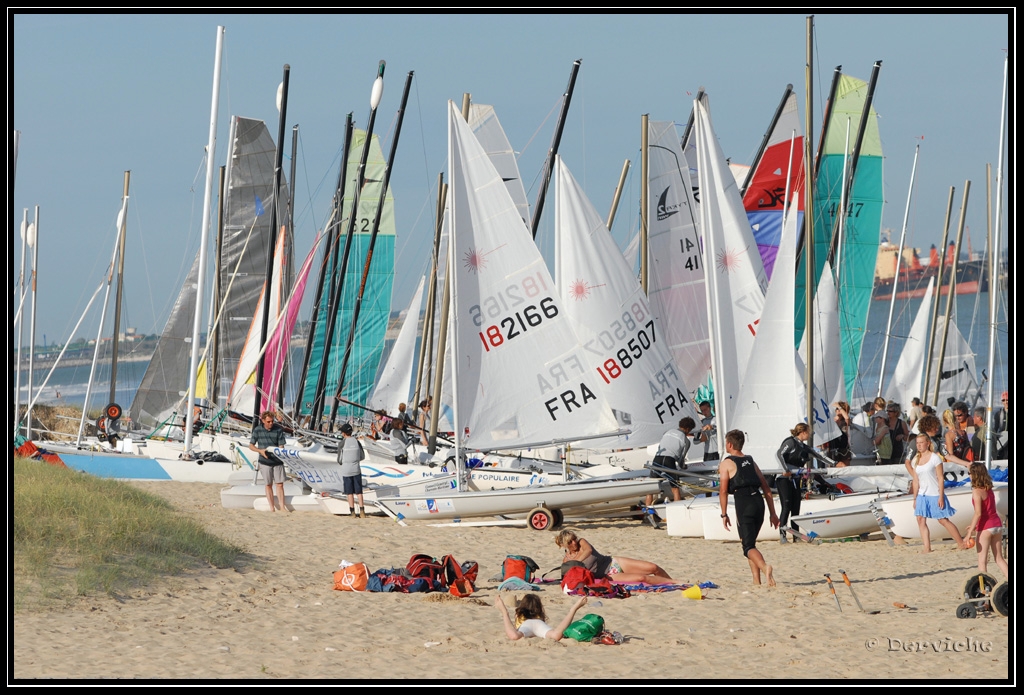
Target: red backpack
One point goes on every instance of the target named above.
(458, 578)
(422, 566)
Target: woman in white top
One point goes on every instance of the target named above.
(929, 493)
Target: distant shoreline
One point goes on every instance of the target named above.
(81, 361)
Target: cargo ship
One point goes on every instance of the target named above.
(971, 275)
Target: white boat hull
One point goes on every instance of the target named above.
(563, 496)
(900, 511)
(243, 495)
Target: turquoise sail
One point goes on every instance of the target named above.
(857, 247)
(368, 340)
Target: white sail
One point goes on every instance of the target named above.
(395, 380)
(487, 128)
(676, 283)
(768, 404)
(959, 371)
(959, 379)
(828, 356)
(623, 342)
(908, 375)
(736, 280)
(520, 374)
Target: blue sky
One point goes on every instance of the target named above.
(94, 95)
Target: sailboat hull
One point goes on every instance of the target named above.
(562, 496)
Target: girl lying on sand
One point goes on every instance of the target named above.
(531, 620)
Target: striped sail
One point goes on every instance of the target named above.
(777, 177)
(368, 340)
(857, 248)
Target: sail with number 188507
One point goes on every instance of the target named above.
(623, 341)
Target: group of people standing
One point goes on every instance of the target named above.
(961, 435)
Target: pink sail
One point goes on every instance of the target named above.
(278, 344)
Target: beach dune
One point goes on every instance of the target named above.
(279, 617)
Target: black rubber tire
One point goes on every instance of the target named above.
(1001, 599)
(972, 589)
(540, 519)
(113, 411)
(559, 517)
(966, 610)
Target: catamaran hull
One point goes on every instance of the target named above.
(128, 467)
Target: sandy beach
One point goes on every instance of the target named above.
(280, 618)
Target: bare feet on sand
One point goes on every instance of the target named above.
(768, 573)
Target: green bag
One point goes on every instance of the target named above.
(586, 628)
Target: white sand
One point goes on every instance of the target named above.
(281, 618)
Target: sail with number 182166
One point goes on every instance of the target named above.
(520, 373)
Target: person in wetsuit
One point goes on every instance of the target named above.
(739, 475)
(794, 454)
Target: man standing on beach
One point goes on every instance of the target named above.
(264, 436)
(672, 453)
(708, 432)
(739, 475)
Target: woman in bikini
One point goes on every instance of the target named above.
(617, 569)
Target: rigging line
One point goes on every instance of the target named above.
(557, 104)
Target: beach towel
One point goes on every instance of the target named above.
(517, 584)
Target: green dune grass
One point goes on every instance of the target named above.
(75, 535)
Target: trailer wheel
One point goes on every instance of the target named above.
(1001, 599)
(541, 519)
(113, 411)
(559, 517)
(966, 610)
(979, 586)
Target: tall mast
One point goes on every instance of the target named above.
(122, 223)
(326, 276)
(993, 279)
(118, 248)
(938, 293)
(373, 238)
(427, 334)
(213, 332)
(899, 261)
(442, 329)
(809, 228)
(618, 194)
(538, 207)
(645, 166)
(275, 213)
(289, 251)
(211, 149)
(764, 142)
(951, 292)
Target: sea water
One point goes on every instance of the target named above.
(67, 385)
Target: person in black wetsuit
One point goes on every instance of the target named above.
(740, 476)
(794, 454)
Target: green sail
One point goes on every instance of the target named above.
(368, 340)
(858, 250)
